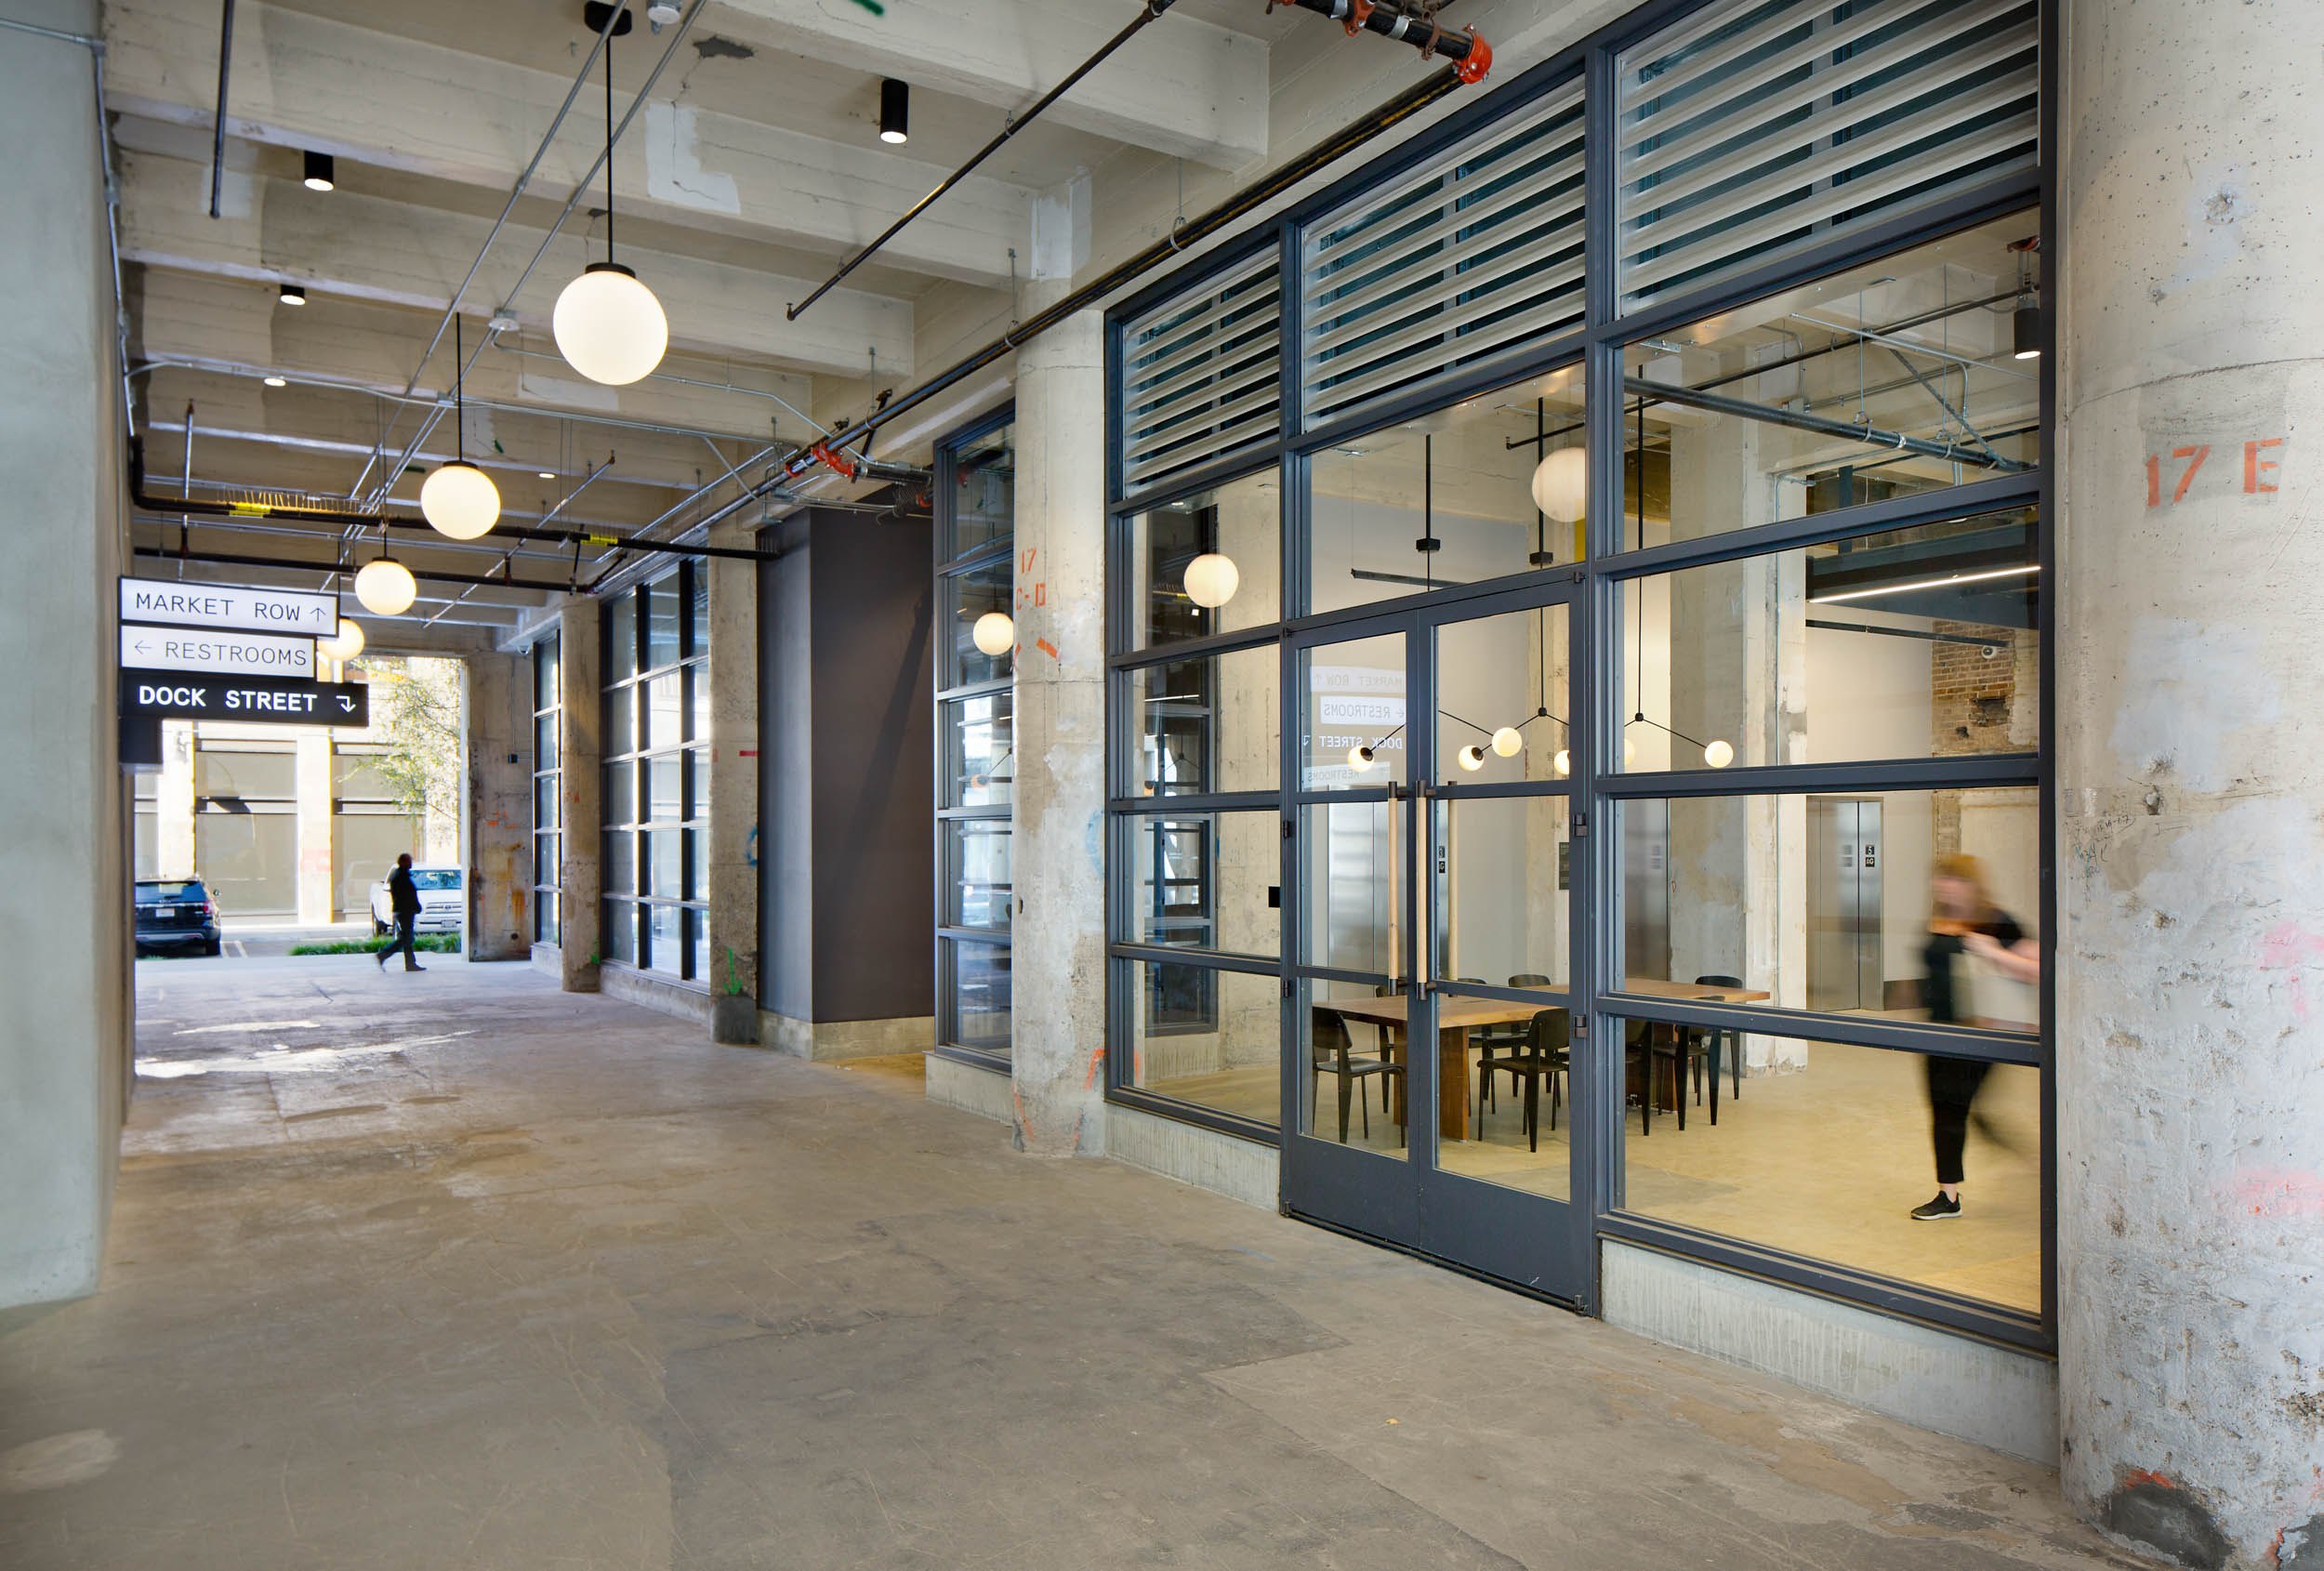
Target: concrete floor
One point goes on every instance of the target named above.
(458, 1270)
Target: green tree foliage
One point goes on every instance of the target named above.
(415, 707)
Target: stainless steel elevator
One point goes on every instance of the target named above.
(1844, 903)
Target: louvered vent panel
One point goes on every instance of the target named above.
(1747, 128)
(1199, 375)
(1456, 260)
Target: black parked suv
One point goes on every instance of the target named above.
(176, 914)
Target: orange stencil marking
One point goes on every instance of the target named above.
(1045, 647)
(2254, 464)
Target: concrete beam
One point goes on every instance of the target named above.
(236, 330)
(393, 253)
(1182, 87)
(304, 82)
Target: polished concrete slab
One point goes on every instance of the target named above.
(456, 1269)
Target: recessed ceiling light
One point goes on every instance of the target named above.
(548, 474)
(322, 173)
(276, 382)
(291, 295)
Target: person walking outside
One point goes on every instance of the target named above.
(1963, 923)
(404, 897)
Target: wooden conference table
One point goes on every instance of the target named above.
(1456, 1017)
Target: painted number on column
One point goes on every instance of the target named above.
(2176, 470)
(1031, 592)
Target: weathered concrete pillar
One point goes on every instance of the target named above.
(733, 979)
(318, 883)
(496, 814)
(2190, 1204)
(173, 803)
(64, 939)
(580, 919)
(1058, 845)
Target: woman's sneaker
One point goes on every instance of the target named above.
(1936, 1210)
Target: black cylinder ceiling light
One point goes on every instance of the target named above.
(895, 111)
(321, 171)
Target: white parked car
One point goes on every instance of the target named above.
(443, 904)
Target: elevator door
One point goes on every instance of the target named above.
(1846, 861)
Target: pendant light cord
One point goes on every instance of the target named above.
(459, 396)
(609, 142)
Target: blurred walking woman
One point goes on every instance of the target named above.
(1963, 923)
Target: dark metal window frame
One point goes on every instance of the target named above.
(549, 881)
(948, 694)
(1600, 345)
(692, 752)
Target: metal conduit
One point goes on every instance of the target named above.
(1146, 13)
(1395, 111)
(1657, 392)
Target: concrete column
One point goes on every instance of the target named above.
(497, 811)
(733, 873)
(64, 939)
(579, 917)
(1060, 809)
(2190, 964)
(173, 803)
(317, 884)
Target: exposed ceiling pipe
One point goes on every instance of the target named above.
(1146, 13)
(1409, 21)
(227, 558)
(1659, 392)
(1394, 113)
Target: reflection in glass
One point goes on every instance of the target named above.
(1210, 1038)
(980, 734)
(662, 612)
(621, 720)
(1241, 521)
(1893, 378)
(1207, 881)
(1488, 488)
(1352, 715)
(1207, 725)
(621, 793)
(698, 611)
(665, 715)
(621, 639)
(1352, 881)
(545, 742)
(1503, 706)
(1825, 903)
(698, 784)
(621, 861)
(1350, 1042)
(545, 656)
(663, 799)
(668, 953)
(971, 595)
(621, 929)
(980, 999)
(1503, 890)
(1827, 1156)
(976, 873)
(664, 862)
(1914, 643)
(985, 480)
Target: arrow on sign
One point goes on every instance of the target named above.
(347, 706)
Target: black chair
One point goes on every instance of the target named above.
(1331, 1053)
(1502, 1038)
(1546, 1055)
(1684, 1050)
(1721, 1038)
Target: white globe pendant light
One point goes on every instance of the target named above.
(1472, 757)
(608, 325)
(1563, 763)
(1561, 485)
(1718, 753)
(994, 633)
(460, 499)
(345, 644)
(386, 587)
(1509, 742)
(1359, 758)
(1212, 579)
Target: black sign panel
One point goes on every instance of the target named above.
(180, 695)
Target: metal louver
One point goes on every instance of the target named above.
(1455, 260)
(1744, 129)
(1199, 375)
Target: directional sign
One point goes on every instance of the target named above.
(254, 655)
(267, 700)
(228, 605)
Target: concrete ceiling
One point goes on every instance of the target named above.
(753, 169)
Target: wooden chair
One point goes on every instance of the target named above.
(1331, 1053)
(1546, 1055)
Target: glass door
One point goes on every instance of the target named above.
(1431, 852)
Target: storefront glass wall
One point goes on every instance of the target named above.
(975, 741)
(1739, 816)
(656, 806)
(547, 789)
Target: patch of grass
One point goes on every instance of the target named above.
(427, 944)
